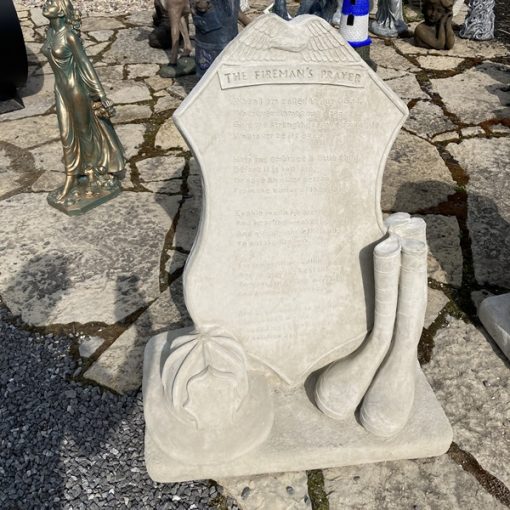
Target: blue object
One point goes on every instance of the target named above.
(356, 7)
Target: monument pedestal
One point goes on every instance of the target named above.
(302, 437)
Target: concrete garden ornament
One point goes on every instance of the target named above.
(307, 306)
(389, 19)
(479, 23)
(436, 31)
(92, 152)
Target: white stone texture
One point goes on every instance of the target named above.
(131, 112)
(487, 162)
(446, 137)
(282, 491)
(161, 174)
(419, 484)
(387, 56)
(463, 48)
(166, 103)
(175, 262)
(168, 137)
(416, 176)
(30, 132)
(472, 131)
(426, 119)
(437, 300)
(95, 23)
(439, 63)
(95, 49)
(101, 35)
(500, 129)
(89, 345)
(494, 312)
(158, 83)
(132, 137)
(141, 70)
(445, 255)
(131, 47)
(49, 160)
(17, 169)
(265, 273)
(407, 87)
(386, 73)
(183, 86)
(99, 267)
(477, 95)
(187, 225)
(471, 382)
(120, 366)
(110, 75)
(38, 97)
(128, 91)
(141, 18)
(37, 17)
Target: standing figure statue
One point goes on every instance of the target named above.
(92, 150)
(479, 23)
(436, 31)
(389, 19)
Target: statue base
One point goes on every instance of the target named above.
(302, 437)
(81, 200)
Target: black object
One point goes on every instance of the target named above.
(160, 36)
(14, 71)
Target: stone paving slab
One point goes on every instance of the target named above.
(415, 484)
(415, 177)
(487, 162)
(485, 94)
(120, 367)
(472, 384)
(94, 268)
(283, 491)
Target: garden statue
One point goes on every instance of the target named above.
(93, 153)
(307, 306)
(160, 36)
(14, 66)
(436, 31)
(216, 25)
(178, 12)
(389, 20)
(479, 23)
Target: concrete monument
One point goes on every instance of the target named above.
(307, 307)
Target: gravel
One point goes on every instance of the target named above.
(67, 445)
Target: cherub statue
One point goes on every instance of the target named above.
(92, 150)
(436, 31)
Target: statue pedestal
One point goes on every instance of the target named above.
(79, 202)
(302, 437)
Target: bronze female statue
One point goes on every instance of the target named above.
(436, 31)
(92, 151)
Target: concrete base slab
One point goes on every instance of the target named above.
(304, 438)
(494, 312)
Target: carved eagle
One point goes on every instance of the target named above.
(306, 39)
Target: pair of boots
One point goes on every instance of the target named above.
(381, 373)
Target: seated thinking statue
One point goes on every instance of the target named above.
(436, 31)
